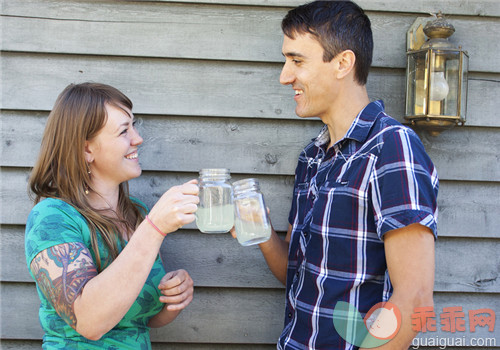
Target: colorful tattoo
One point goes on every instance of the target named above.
(61, 273)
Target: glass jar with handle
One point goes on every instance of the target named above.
(215, 212)
(251, 221)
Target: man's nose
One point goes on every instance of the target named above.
(286, 76)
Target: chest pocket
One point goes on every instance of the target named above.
(343, 199)
(303, 202)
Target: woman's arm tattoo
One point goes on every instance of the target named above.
(61, 273)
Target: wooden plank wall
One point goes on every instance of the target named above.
(203, 76)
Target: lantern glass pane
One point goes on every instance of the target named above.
(463, 90)
(444, 82)
(416, 84)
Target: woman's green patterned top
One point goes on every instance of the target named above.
(53, 222)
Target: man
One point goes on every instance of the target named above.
(363, 217)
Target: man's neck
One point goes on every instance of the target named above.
(346, 110)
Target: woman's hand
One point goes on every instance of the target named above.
(177, 289)
(176, 207)
(177, 292)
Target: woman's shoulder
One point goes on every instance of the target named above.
(52, 206)
(51, 202)
(51, 222)
(54, 210)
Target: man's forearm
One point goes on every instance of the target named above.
(410, 261)
(406, 306)
(275, 251)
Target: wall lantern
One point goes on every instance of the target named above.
(436, 76)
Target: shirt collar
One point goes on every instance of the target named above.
(359, 128)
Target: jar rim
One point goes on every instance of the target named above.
(246, 184)
(244, 181)
(214, 171)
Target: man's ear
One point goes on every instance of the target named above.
(87, 151)
(345, 63)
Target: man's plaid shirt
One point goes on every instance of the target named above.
(376, 179)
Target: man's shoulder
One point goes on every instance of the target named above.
(384, 120)
(385, 126)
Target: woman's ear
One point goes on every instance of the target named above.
(345, 66)
(89, 157)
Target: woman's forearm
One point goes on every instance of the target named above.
(107, 297)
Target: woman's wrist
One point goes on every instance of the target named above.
(156, 228)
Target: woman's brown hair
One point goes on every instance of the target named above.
(61, 170)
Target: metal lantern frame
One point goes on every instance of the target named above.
(422, 110)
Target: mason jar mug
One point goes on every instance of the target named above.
(251, 221)
(215, 212)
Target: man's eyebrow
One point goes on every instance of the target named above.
(293, 54)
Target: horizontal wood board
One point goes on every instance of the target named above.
(455, 7)
(202, 88)
(468, 209)
(217, 260)
(161, 29)
(219, 315)
(254, 147)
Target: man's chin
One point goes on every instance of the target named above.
(303, 115)
(300, 113)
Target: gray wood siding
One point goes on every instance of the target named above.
(203, 76)
(216, 315)
(463, 207)
(238, 267)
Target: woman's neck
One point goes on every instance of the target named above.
(104, 199)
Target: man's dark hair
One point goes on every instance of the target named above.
(338, 26)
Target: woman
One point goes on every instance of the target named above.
(91, 248)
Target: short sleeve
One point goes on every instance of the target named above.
(404, 183)
(52, 222)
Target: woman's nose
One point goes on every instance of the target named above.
(136, 139)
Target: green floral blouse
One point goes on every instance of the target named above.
(53, 222)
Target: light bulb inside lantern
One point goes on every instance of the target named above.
(439, 86)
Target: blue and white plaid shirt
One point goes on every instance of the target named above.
(376, 179)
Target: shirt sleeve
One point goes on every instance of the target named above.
(52, 222)
(404, 184)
